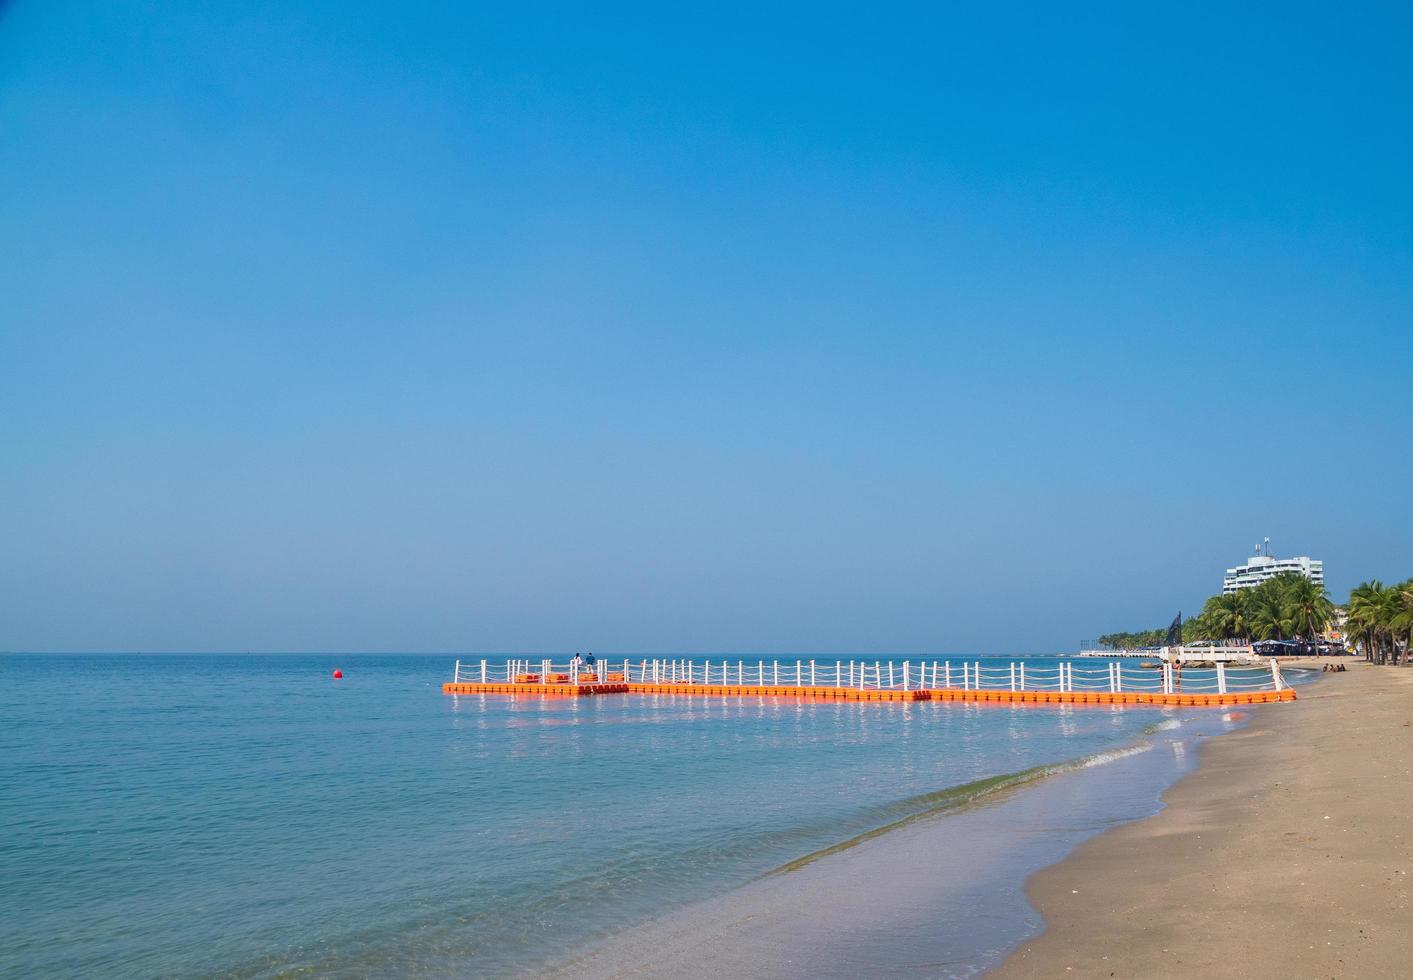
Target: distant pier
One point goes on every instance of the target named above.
(854, 680)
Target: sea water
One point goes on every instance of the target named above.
(249, 816)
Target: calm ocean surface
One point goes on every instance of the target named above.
(248, 816)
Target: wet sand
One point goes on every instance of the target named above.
(1287, 853)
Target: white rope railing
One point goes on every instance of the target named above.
(970, 675)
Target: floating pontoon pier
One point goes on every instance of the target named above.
(882, 680)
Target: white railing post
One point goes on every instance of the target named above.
(891, 681)
(905, 675)
(1276, 675)
(811, 673)
(483, 672)
(976, 674)
(947, 674)
(1022, 675)
(1013, 675)
(838, 674)
(1221, 677)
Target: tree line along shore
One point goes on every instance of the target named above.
(1378, 618)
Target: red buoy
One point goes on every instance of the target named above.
(338, 675)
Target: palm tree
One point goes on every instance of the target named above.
(1362, 619)
(1400, 620)
(1371, 613)
(1267, 614)
(1307, 608)
(1226, 616)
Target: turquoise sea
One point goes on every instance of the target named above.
(249, 816)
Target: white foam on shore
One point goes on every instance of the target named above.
(1113, 755)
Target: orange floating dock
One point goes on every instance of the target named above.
(818, 693)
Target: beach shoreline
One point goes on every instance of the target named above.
(939, 895)
(1264, 859)
(1287, 852)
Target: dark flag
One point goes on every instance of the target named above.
(1174, 637)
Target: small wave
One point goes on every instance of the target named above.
(925, 805)
(1114, 755)
(1166, 725)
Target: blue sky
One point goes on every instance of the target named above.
(444, 326)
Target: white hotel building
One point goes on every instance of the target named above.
(1260, 568)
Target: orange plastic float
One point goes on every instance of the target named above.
(559, 686)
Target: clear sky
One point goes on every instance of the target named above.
(456, 326)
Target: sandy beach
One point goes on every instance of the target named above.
(1287, 853)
